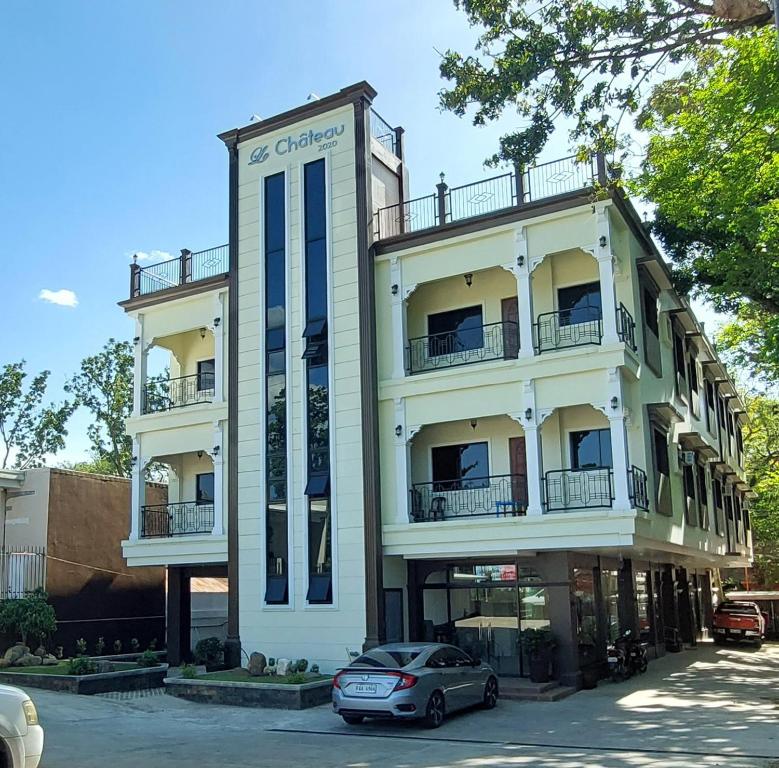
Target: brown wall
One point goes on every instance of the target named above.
(93, 591)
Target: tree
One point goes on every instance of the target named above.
(712, 170)
(751, 343)
(29, 618)
(28, 429)
(589, 60)
(104, 385)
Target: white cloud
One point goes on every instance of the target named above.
(154, 255)
(63, 297)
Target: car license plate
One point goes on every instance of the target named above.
(366, 689)
(752, 632)
(612, 659)
(720, 630)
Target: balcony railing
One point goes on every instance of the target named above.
(167, 394)
(385, 134)
(190, 267)
(179, 519)
(516, 188)
(626, 327)
(568, 328)
(568, 489)
(493, 496)
(494, 341)
(638, 488)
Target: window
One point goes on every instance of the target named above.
(661, 452)
(688, 478)
(579, 303)
(710, 406)
(591, 448)
(650, 312)
(455, 331)
(448, 658)
(204, 488)
(386, 659)
(703, 498)
(320, 564)
(679, 366)
(460, 467)
(205, 375)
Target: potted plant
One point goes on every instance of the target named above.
(539, 644)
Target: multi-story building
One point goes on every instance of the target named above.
(448, 417)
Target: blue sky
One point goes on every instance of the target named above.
(108, 137)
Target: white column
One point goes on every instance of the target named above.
(534, 479)
(139, 368)
(606, 271)
(217, 456)
(402, 447)
(617, 415)
(137, 491)
(398, 320)
(218, 328)
(524, 294)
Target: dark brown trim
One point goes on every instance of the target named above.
(351, 94)
(176, 292)
(233, 640)
(369, 387)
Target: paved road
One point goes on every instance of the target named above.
(707, 707)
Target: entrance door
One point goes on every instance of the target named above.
(518, 469)
(510, 315)
(393, 615)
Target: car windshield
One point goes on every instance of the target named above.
(385, 659)
(737, 608)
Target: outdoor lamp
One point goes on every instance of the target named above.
(398, 430)
(614, 402)
(468, 279)
(602, 241)
(528, 413)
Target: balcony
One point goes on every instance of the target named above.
(499, 193)
(179, 519)
(578, 327)
(190, 267)
(638, 488)
(493, 341)
(571, 489)
(161, 395)
(492, 496)
(385, 134)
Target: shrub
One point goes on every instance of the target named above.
(30, 618)
(117, 646)
(153, 644)
(135, 646)
(148, 659)
(81, 665)
(189, 671)
(537, 640)
(315, 669)
(302, 665)
(271, 661)
(81, 647)
(209, 651)
(100, 646)
(297, 678)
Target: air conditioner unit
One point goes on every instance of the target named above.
(686, 458)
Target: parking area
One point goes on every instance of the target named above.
(705, 707)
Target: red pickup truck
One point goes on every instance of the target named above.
(739, 621)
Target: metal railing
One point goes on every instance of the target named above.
(568, 328)
(190, 267)
(515, 188)
(166, 394)
(179, 519)
(22, 571)
(638, 488)
(567, 489)
(493, 495)
(494, 341)
(384, 133)
(626, 327)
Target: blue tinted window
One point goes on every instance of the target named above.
(315, 200)
(591, 448)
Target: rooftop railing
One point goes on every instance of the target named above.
(385, 134)
(509, 190)
(189, 267)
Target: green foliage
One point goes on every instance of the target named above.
(302, 665)
(81, 665)
(81, 646)
(148, 659)
(153, 644)
(28, 429)
(537, 640)
(104, 385)
(189, 671)
(117, 646)
(751, 343)
(582, 59)
(712, 170)
(296, 678)
(209, 651)
(134, 645)
(29, 618)
(99, 646)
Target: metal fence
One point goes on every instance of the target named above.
(384, 133)
(408, 216)
(190, 267)
(166, 394)
(638, 488)
(626, 327)
(178, 519)
(495, 495)
(568, 328)
(22, 571)
(567, 489)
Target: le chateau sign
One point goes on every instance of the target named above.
(288, 144)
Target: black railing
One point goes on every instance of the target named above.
(568, 328)
(567, 489)
(516, 188)
(180, 519)
(22, 571)
(626, 327)
(384, 133)
(495, 496)
(494, 341)
(190, 267)
(166, 394)
(638, 488)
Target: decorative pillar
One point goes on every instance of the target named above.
(218, 330)
(402, 446)
(524, 294)
(606, 271)
(217, 457)
(139, 368)
(137, 491)
(398, 319)
(618, 416)
(532, 429)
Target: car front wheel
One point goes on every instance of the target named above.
(434, 713)
(490, 694)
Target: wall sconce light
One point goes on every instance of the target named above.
(134, 460)
(528, 413)
(468, 279)
(202, 333)
(398, 431)
(217, 320)
(136, 340)
(473, 423)
(200, 454)
(394, 289)
(602, 241)
(216, 450)
(614, 402)
(520, 260)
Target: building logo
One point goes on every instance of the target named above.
(259, 155)
(322, 140)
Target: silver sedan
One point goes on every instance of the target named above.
(413, 681)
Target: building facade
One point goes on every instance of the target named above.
(450, 417)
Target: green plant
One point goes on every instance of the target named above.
(134, 645)
(315, 669)
(117, 646)
(81, 665)
(81, 646)
(99, 646)
(536, 641)
(153, 644)
(271, 661)
(189, 671)
(296, 678)
(29, 618)
(302, 665)
(209, 651)
(148, 659)
(59, 651)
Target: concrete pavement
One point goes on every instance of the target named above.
(706, 707)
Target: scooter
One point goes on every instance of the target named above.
(626, 657)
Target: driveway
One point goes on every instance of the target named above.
(706, 707)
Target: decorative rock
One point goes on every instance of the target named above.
(4, 663)
(28, 660)
(257, 664)
(40, 651)
(282, 667)
(49, 660)
(16, 652)
(270, 669)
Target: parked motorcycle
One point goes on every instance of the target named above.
(626, 657)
